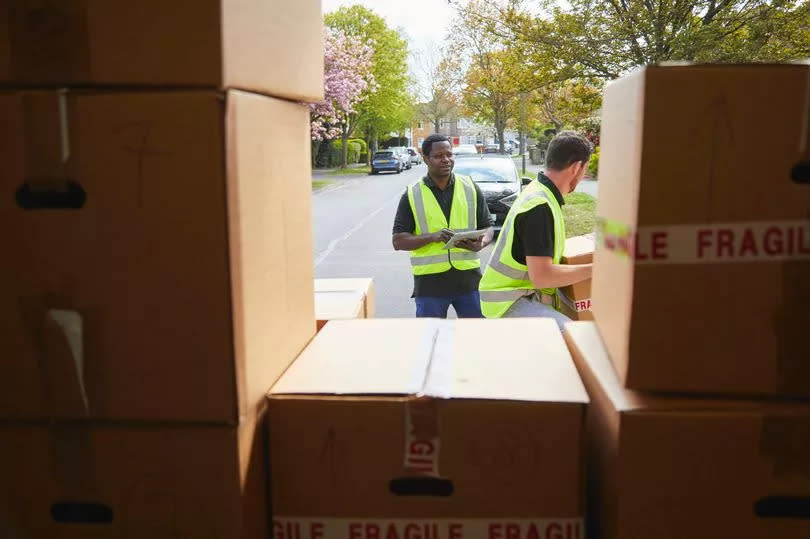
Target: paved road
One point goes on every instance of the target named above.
(352, 221)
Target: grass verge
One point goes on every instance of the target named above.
(580, 214)
(319, 184)
(350, 171)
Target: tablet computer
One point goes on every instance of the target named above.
(469, 235)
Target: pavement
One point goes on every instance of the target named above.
(352, 221)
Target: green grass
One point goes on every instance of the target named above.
(350, 171)
(580, 214)
(319, 184)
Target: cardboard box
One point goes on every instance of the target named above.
(267, 46)
(576, 298)
(388, 427)
(180, 275)
(362, 284)
(160, 482)
(669, 467)
(704, 234)
(338, 305)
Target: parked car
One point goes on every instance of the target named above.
(498, 179)
(403, 155)
(386, 160)
(491, 148)
(465, 149)
(416, 159)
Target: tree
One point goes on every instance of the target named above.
(440, 82)
(347, 82)
(390, 106)
(568, 103)
(606, 38)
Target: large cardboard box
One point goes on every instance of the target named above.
(669, 467)
(704, 232)
(267, 46)
(576, 298)
(153, 265)
(386, 428)
(157, 482)
(365, 285)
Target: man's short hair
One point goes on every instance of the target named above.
(567, 148)
(427, 144)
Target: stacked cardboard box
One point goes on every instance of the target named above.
(429, 428)
(343, 299)
(149, 299)
(701, 287)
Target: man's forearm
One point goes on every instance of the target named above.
(558, 275)
(404, 241)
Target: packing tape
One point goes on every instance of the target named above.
(581, 305)
(785, 442)
(422, 412)
(49, 41)
(710, 243)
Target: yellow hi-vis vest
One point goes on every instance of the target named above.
(429, 217)
(506, 280)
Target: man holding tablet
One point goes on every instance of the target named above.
(431, 212)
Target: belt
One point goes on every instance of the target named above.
(545, 299)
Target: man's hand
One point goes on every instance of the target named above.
(471, 245)
(442, 236)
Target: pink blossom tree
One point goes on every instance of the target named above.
(347, 81)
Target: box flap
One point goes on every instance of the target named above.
(363, 357)
(579, 249)
(588, 347)
(508, 359)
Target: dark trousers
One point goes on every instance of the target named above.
(466, 306)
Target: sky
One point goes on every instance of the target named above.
(423, 22)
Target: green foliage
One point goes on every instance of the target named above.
(362, 143)
(390, 106)
(352, 156)
(593, 164)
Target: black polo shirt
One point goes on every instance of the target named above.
(534, 229)
(453, 282)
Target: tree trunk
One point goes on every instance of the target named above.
(437, 124)
(344, 146)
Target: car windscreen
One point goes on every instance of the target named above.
(487, 170)
(383, 155)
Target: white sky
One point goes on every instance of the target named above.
(422, 21)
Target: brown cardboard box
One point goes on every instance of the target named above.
(705, 236)
(576, 298)
(338, 305)
(669, 468)
(388, 427)
(362, 284)
(182, 288)
(266, 46)
(157, 482)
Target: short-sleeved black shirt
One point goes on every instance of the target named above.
(534, 229)
(453, 282)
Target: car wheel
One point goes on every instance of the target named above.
(399, 169)
(373, 172)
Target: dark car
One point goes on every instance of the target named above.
(386, 160)
(498, 179)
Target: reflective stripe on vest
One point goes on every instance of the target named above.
(506, 280)
(429, 217)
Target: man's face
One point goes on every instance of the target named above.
(578, 173)
(440, 161)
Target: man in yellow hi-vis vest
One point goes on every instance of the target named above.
(524, 270)
(429, 213)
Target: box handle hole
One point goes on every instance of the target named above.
(421, 486)
(51, 195)
(783, 507)
(801, 172)
(81, 513)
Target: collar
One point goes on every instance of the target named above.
(430, 183)
(545, 180)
